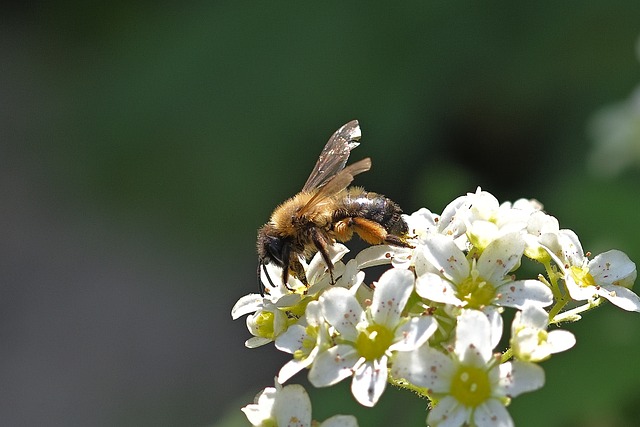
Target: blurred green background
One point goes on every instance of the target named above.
(143, 143)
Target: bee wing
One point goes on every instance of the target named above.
(334, 155)
(339, 182)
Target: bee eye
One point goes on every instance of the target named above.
(274, 247)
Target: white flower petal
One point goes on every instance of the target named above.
(289, 300)
(560, 340)
(351, 276)
(271, 279)
(533, 316)
(450, 222)
(333, 365)
(577, 292)
(526, 345)
(340, 421)
(292, 407)
(262, 408)
(403, 258)
(424, 367)
(434, 288)
(571, 251)
(421, 264)
(540, 223)
(374, 255)
(369, 381)
(611, 267)
(621, 297)
(291, 339)
(255, 342)
(521, 292)
(341, 310)
(500, 257)
(481, 233)
(448, 413)
(444, 255)
(292, 367)
(483, 204)
(518, 377)
(390, 296)
(492, 413)
(414, 333)
(421, 222)
(313, 314)
(473, 337)
(496, 324)
(322, 281)
(247, 304)
(317, 266)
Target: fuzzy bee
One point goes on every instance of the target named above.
(328, 210)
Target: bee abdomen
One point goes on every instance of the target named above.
(374, 207)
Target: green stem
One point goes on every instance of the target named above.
(559, 305)
(508, 354)
(553, 278)
(422, 392)
(574, 314)
(561, 296)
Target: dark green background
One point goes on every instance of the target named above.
(143, 143)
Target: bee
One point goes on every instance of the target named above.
(328, 210)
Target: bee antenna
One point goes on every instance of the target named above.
(266, 273)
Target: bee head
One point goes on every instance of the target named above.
(271, 248)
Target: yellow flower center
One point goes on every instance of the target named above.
(264, 324)
(582, 276)
(298, 309)
(543, 336)
(471, 386)
(374, 341)
(308, 343)
(476, 291)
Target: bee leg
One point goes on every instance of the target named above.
(320, 242)
(375, 234)
(343, 230)
(394, 240)
(369, 231)
(298, 270)
(286, 265)
(263, 288)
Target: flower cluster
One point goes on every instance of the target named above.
(432, 321)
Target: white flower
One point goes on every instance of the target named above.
(452, 221)
(608, 275)
(424, 223)
(316, 272)
(304, 340)
(541, 227)
(486, 219)
(368, 338)
(288, 406)
(481, 283)
(468, 384)
(273, 313)
(421, 223)
(265, 322)
(530, 340)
